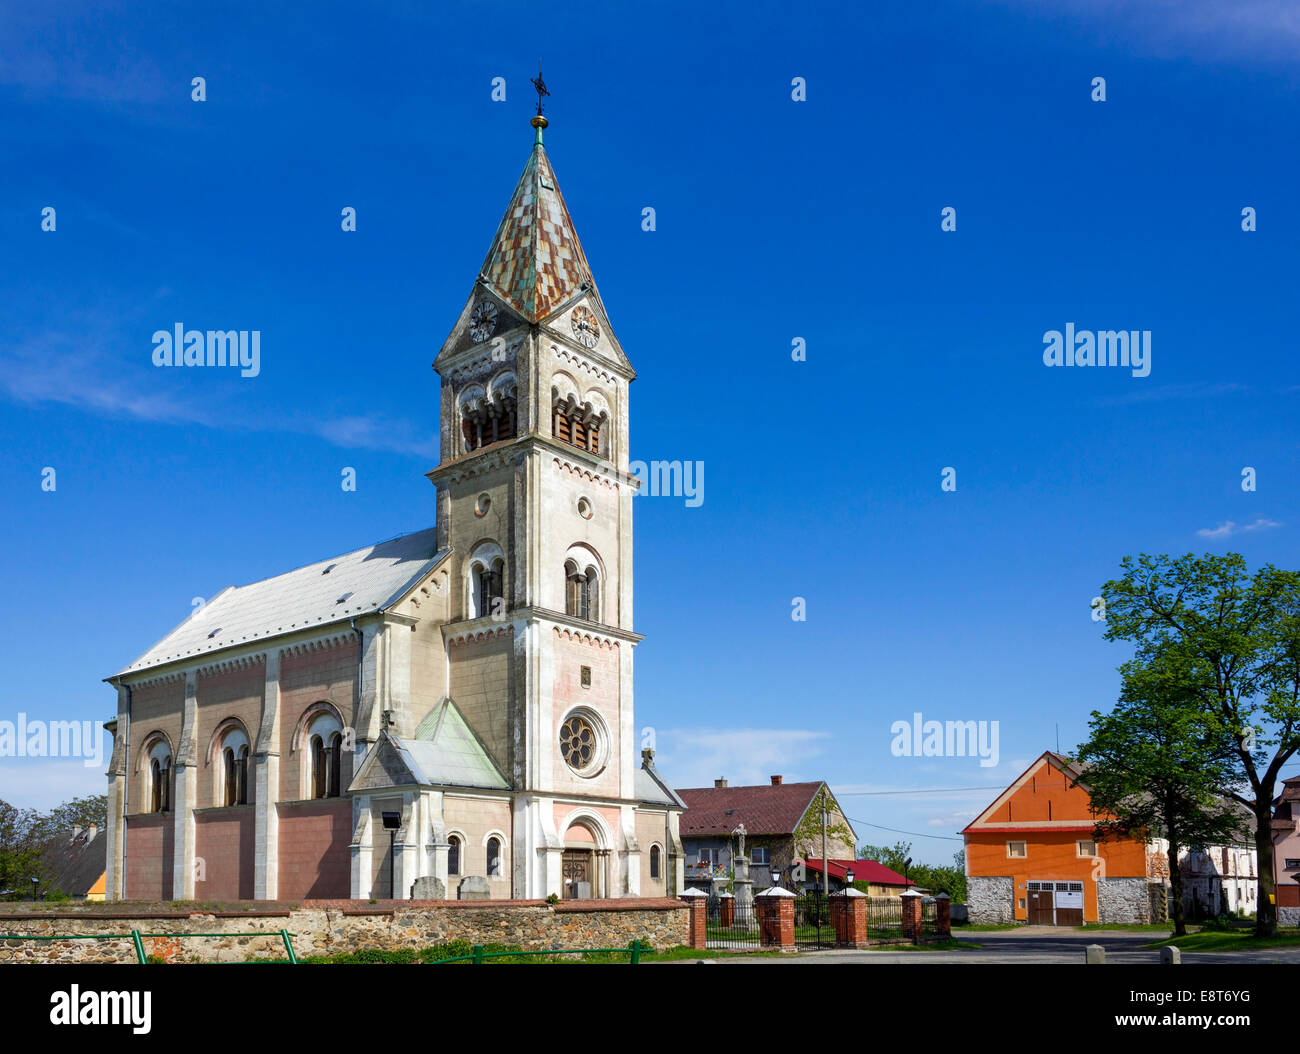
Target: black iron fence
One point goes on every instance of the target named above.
(929, 918)
(812, 921)
(884, 919)
(731, 924)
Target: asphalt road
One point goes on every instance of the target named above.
(1030, 944)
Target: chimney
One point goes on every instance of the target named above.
(76, 830)
(719, 784)
(776, 780)
(91, 831)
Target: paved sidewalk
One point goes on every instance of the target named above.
(1030, 944)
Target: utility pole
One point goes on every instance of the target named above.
(825, 866)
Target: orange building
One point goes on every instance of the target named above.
(1032, 856)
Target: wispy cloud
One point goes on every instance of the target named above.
(1229, 527)
(1251, 30)
(1173, 391)
(57, 367)
(695, 757)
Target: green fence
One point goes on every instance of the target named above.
(137, 941)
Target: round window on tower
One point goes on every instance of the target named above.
(482, 505)
(584, 508)
(582, 743)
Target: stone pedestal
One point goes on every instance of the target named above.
(428, 887)
(475, 887)
(744, 886)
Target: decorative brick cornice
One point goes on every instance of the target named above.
(584, 637)
(476, 634)
(586, 473)
(573, 359)
(485, 363)
(238, 662)
(337, 640)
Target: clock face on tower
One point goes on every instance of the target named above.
(585, 326)
(483, 322)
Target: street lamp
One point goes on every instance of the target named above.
(848, 878)
(776, 877)
(35, 882)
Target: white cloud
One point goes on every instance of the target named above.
(1231, 527)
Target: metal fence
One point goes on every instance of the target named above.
(730, 924)
(812, 921)
(884, 919)
(929, 918)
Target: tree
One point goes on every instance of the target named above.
(1231, 640)
(80, 812)
(22, 840)
(893, 856)
(950, 879)
(1158, 763)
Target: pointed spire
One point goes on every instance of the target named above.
(536, 262)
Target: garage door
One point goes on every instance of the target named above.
(1069, 903)
(1041, 911)
(1055, 903)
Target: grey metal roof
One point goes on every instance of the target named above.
(650, 787)
(344, 587)
(449, 754)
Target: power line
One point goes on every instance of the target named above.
(914, 834)
(918, 790)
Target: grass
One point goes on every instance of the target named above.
(1136, 927)
(411, 956)
(987, 927)
(1230, 941)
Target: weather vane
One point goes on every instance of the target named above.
(540, 85)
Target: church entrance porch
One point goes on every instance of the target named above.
(576, 870)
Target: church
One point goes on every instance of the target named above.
(443, 714)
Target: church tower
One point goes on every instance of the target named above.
(534, 500)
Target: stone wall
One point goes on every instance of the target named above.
(326, 927)
(990, 900)
(1288, 917)
(1123, 900)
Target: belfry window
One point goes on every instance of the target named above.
(581, 592)
(486, 582)
(579, 425)
(491, 415)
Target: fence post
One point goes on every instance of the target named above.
(635, 957)
(912, 915)
(288, 946)
(943, 916)
(478, 954)
(849, 917)
(698, 901)
(776, 918)
(139, 948)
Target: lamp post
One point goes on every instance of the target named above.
(848, 878)
(776, 877)
(35, 882)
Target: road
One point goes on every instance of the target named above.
(1032, 945)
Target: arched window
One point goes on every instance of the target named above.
(579, 422)
(158, 793)
(654, 861)
(232, 775)
(582, 591)
(487, 567)
(491, 416)
(494, 857)
(453, 855)
(323, 764)
(333, 761)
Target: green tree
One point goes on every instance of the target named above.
(893, 856)
(80, 812)
(23, 833)
(1158, 763)
(1231, 640)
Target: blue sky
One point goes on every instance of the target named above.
(776, 219)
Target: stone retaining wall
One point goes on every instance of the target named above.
(332, 927)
